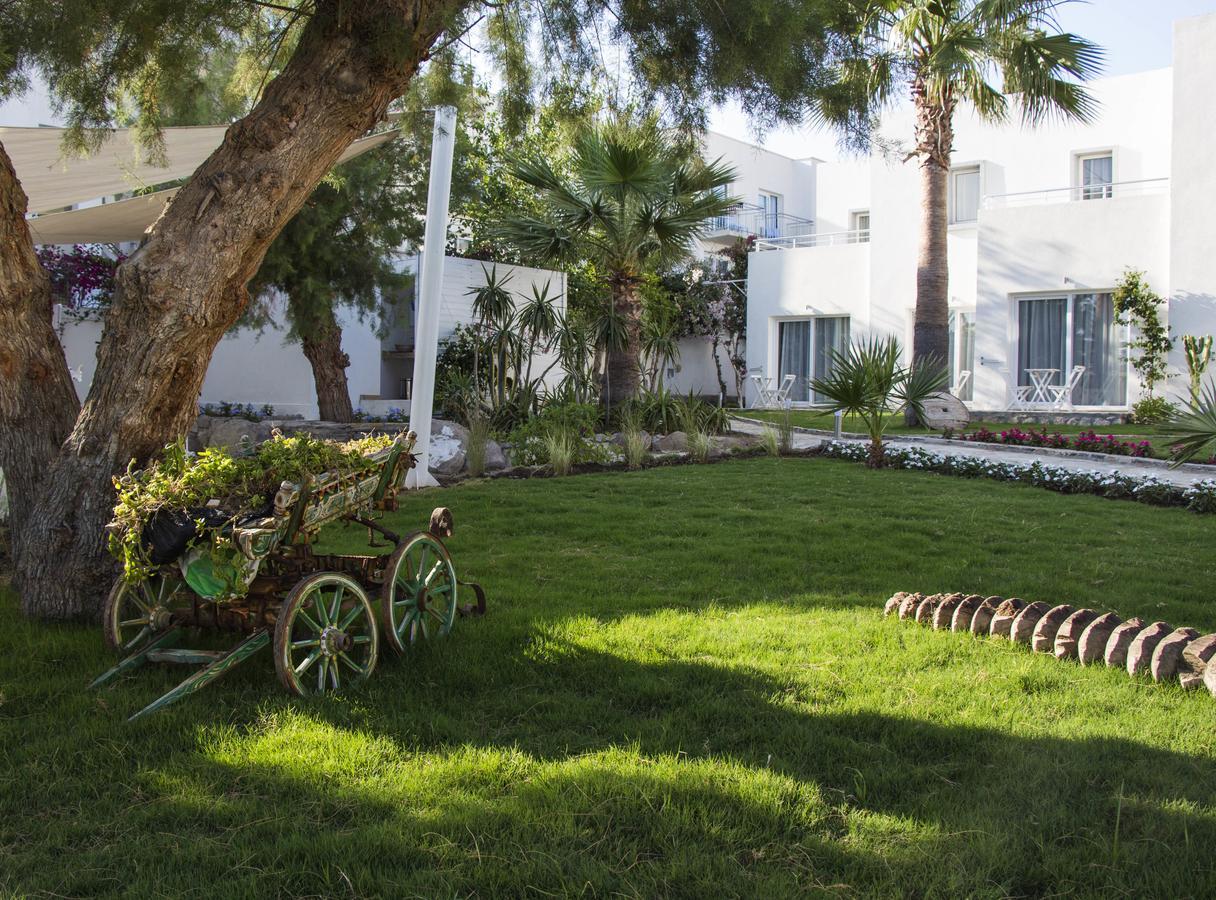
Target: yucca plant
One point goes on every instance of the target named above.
(1195, 429)
(870, 382)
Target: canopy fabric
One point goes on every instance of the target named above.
(51, 182)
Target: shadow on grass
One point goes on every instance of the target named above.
(585, 771)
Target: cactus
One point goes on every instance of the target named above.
(1198, 353)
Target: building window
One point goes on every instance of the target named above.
(860, 227)
(964, 195)
(804, 350)
(962, 352)
(770, 213)
(1058, 333)
(1097, 175)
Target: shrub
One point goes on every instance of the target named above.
(560, 450)
(1153, 411)
(633, 439)
(579, 421)
(228, 410)
(771, 441)
(479, 439)
(1086, 440)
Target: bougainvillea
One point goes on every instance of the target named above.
(1088, 441)
(83, 277)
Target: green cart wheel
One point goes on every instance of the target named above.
(326, 635)
(419, 592)
(135, 612)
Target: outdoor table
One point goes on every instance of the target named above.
(765, 390)
(1040, 380)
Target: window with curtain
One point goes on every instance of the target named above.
(770, 206)
(794, 357)
(1097, 176)
(1078, 330)
(804, 350)
(964, 195)
(860, 227)
(962, 350)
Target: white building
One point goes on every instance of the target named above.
(1044, 222)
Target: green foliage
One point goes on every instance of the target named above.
(226, 409)
(770, 440)
(1195, 429)
(575, 423)
(635, 442)
(479, 439)
(1198, 353)
(1138, 304)
(869, 381)
(1153, 411)
(177, 481)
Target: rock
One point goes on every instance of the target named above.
(1190, 680)
(892, 605)
(448, 450)
(1121, 638)
(1140, 653)
(1068, 637)
(1164, 663)
(496, 458)
(1092, 644)
(618, 438)
(1043, 639)
(676, 442)
(1209, 678)
(735, 441)
(924, 612)
(908, 607)
(945, 410)
(229, 433)
(964, 612)
(1003, 616)
(982, 620)
(944, 614)
(1196, 654)
(1021, 630)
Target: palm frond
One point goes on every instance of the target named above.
(1195, 429)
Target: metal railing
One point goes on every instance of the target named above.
(1081, 193)
(747, 220)
(828, 239)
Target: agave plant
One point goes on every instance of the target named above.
(1195, 429)
(870, 382)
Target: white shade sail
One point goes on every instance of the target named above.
(53, 182)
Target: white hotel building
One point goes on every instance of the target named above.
(1044, 222)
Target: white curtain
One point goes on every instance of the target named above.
(1096, 344)
(794, 356)
(1042, 337)
(831, 334)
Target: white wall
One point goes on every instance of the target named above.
(1192, 287)
(759, 170)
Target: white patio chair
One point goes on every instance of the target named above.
(764, 389)
(1021, 396)
(963, 378)
(782, 393)
(1062, 394)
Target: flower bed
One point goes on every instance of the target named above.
(1088, 441)
(1199, 497)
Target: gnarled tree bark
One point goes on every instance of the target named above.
(38, 401)
(177, 295)
(323, 350)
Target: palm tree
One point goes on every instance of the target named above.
(634, 200)
(868, 381)
(995, 55)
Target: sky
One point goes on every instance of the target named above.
(1136, 34)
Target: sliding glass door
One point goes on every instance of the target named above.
(1057, 333)
(962, 352)
(804, 350)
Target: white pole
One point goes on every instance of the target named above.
(426, 325)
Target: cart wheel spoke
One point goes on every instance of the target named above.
(332, 666)
(435, 570)
(308, 661)
(138, 639)
(307, 642)
(129, 623)
(358, 669)
(309, 622)
(333, 616)
(361, 639)
(322, 610)
(350, 617)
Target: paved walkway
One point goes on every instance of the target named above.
(804, 439)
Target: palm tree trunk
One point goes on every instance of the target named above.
(934, 139)
(624, 364)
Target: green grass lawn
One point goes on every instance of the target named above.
(684, 688)
(811, 418)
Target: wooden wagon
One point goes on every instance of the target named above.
(325, 615)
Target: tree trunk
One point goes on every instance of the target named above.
(38, 401)
(624, 364)
(934, 140)
(714, 342)
(185, 286)
(323, 350)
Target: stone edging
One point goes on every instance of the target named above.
(1156, 649)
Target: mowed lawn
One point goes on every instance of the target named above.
(684, 688)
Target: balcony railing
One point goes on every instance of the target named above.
(746, 220)
(1145, 187)
(828, 239)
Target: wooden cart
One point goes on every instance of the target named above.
(325, 615)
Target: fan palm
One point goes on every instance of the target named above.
(868, 381)
(633, 200)
(998, 56)
(1194, 430)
